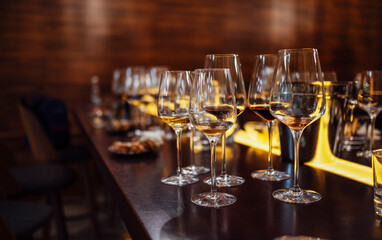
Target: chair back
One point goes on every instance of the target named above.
(42, 148)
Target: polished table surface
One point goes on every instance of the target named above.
(152, 210)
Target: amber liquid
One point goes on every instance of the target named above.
(263, 112)
(214, 129)
(176, 122)
(296, 122)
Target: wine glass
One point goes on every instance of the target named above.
(193, 168)
(173, 109)
(149, 86)
(119, 89)
(370, 100)
(153, 75)
(297, 100)
(232, 62)
(258, 101)
(136, 90)
(213, 112)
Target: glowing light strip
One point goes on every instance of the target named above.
(257, 140)
(346, 169)
(325, 160)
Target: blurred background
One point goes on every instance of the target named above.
(55, 47)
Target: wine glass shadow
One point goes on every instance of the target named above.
(189, 226)
(185, 225)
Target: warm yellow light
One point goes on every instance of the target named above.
(325, 160)
(151, 109)
(258, 139)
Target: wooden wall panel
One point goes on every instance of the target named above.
(56, 46)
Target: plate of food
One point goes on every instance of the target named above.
(133, 147)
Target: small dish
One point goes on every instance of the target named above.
(134, 147)
(118, 152)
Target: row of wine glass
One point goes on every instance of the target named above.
(214, 97)
(287, 86)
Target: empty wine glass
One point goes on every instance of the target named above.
(297, 100)
(258, 101)
(173, 109)
(153, 75)
(136, 90)
(119, 90)
(149, 86)
(370, 100)
(193, 168)
(213, 112)
(232, 62)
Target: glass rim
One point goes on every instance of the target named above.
(222, 54)
(210, 69)
(177, 71)
(266, 54)
(297, 50)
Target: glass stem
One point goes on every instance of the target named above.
(213, 165)
(224, 164)
(372, 127)
(192, 145)
(270, 125)
(296, 142)
(178, 151)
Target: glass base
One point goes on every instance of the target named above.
(215, 200)
(226, 181)
(195, 170)
(180, 180)
(296, 195)
(273, 175)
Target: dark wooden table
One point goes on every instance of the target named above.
(152, 210)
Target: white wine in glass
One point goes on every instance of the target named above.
(173, 109)
(297, 100)
(213, 112)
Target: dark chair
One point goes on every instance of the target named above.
(44, 151)
(45, 179)
(20, 219)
